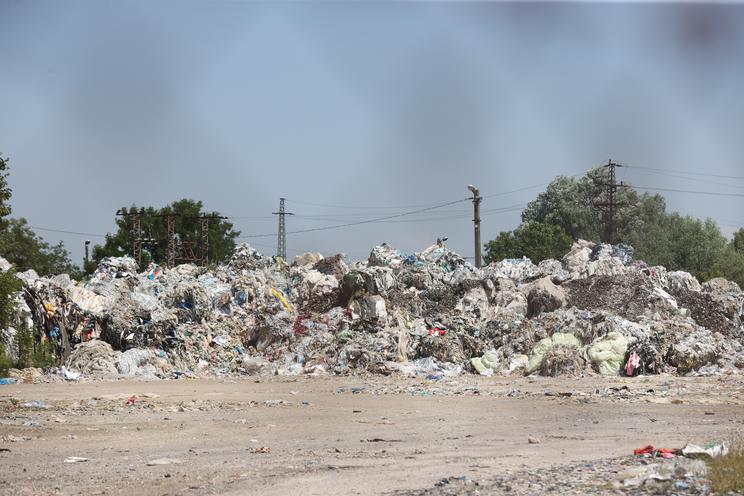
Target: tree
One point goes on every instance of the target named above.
(730, 264)
(533, 240)
(153, 224)
(738, 242)
(5, 191)
(25, 250)
(659, 238)
(9, 285)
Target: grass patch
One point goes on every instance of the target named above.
(726, 473)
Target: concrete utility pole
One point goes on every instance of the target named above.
(281, 243)
(609, 207)
(476, 223)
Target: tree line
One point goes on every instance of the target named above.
(564, 213)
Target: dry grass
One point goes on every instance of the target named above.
(726, 473)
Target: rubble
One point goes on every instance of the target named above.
(597, 311)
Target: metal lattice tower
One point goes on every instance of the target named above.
(170, 234)
(204, 229)
(281, 242)
(609, 207)
(135, 233)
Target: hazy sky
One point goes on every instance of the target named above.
(371, 107)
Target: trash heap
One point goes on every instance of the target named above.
(597, 311)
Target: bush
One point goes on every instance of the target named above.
(32, 354)
(726, 473)
(533, 240)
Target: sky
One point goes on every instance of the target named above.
(361, 110)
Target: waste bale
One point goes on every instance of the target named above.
(485, 364)
(93, 358)
(631, 296)
(554, 269)
(563, 357)
(370, 308)
(136, 362)
(307, 259)
(28, 276)
(219, 292)
(90, 301)
(474, 305)
(385, 255)
(518, 270)
(413, 277)
(586, 259)
(543, 296)
(694, 348)
(332, 266)
(680, 281)
(247, 258)
(729, 298)
(709, 312)
(445, 348)
(115, 268)
(607, 354)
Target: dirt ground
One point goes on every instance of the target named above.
(339, 435)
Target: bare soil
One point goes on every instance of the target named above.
(350, 435)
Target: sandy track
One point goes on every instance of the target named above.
(328, 437)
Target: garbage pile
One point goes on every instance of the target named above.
(431, 313)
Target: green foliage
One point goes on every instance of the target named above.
(5, 191)
(739, 240)
(31, 353)
(659, 238)
(9, 285)
(533, 240)
(25, 250)
(726, 473)
(730, 264)
(187, 227)
(568, 202)
(5, 362)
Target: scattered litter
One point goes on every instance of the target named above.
(164, 461)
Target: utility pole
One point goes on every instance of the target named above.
(281, 244)
(476, 223)
(87, 248)
(609, 207)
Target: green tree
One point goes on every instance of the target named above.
(9, 285)
(730, 264)
(153, 223)
(738, 242)
(533, 240)
(659, 238)
(25, 250)
(5, 192)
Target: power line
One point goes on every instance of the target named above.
(391, 207)
(711, 193)
(367, 221)
(504, 193)
(688, 178)
(67, 232)
(704, 174)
